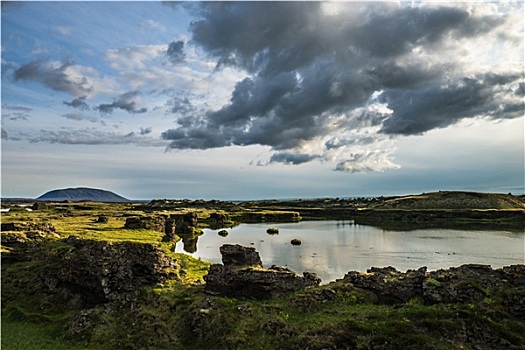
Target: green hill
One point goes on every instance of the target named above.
(454, 200)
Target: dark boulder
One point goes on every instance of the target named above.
(170, 230)
(102, 219)
(242, 276)
(239, 256)
(39, 206)
(155, 223)
(185, 223)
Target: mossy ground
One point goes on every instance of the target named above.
(179, 315)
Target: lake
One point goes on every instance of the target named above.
(332, 248)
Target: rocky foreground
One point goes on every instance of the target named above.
(127, 295)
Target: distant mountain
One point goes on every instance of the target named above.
(82, 194)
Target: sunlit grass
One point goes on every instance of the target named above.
(86, 227)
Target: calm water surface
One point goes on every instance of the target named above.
(332, 248)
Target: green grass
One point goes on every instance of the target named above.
(18, 335)
(192, 270)
(113, 231)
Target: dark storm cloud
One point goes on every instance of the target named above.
(4, 134)
(180, 105)
(175, 52)
(193, 138)
(292, 158)
(283, 36)
(79, 103)
(417, 111)
(125, 102)
(308, 70)
(55, 76)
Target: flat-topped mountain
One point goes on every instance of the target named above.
(82, 194)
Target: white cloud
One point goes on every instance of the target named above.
(152, 24)
(95, 137)
(64, 30)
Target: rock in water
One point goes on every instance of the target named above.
(242, 276)
(239, 256)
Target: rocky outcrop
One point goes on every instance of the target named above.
(243, 276)
(237, 256)
(471, 283)
(497, 218)
(184, 223)
(43, 227)
(156, 223)
(182, 226)
(465, 284)
(172, 226)
(269, 216)
(97, 272)
(390, 285)
(220, 218)
(14, 234)
(39, 206)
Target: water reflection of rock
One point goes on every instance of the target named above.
(182, 226)
(189, 241)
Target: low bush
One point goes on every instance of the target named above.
(272, 231)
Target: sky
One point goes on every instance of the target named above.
(262, 100)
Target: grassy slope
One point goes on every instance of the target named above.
(454, 200)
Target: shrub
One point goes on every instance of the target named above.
(272, 231)
(296, 241)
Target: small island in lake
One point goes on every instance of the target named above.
(98, 275)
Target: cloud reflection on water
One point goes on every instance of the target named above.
(332, 248)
